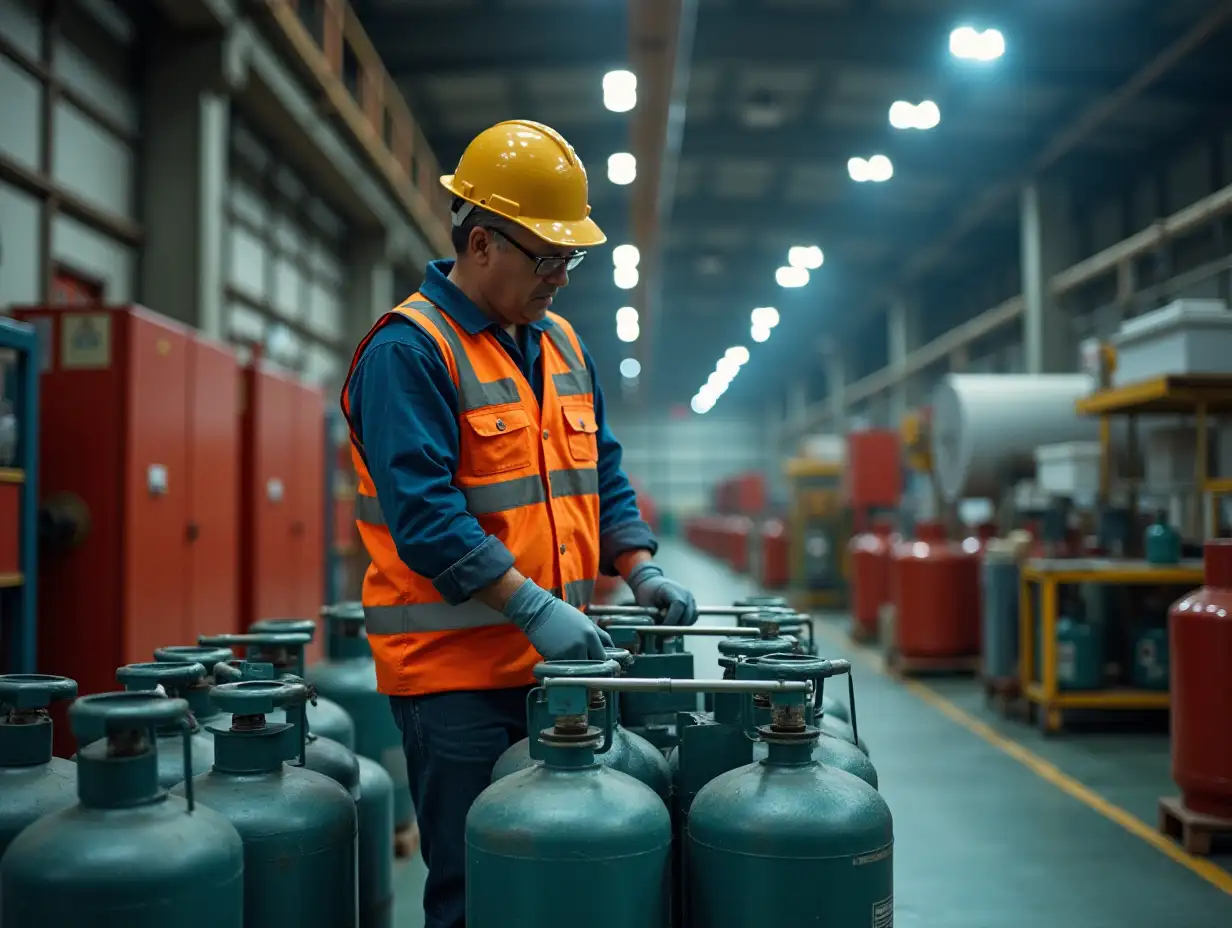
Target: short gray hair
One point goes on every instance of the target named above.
(466, 216)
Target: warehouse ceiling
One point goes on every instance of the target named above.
(780, 95)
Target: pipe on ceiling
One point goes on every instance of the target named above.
(660, 54)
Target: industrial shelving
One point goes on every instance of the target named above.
(19, 591)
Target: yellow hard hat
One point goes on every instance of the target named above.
(527, 172)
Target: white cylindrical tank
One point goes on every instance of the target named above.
(984, 426)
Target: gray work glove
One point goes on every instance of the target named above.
(652, 590)
(557, 630)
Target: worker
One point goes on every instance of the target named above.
(491, 493)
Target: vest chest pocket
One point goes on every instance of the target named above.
(583, 432)
(495, 442)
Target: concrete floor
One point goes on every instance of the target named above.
(989, 833)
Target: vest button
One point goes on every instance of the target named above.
(546, 434)
(500, 425)
(563, 549)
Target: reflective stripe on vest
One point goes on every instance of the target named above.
(576, 381)
(473, 393)
(439, 617)
(503, 496)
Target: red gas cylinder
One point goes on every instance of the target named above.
(775, 569)
(1200, 644)
(938, 596)
(870, 578)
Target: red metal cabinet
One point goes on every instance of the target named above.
(132, 405)
(214, 473)
(282, 497)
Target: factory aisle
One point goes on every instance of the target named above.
(982, 841)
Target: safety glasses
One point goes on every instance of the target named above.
(545, 265)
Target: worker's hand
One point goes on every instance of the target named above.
(557, 630)
(652, 590)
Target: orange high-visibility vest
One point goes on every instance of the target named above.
(529, 474)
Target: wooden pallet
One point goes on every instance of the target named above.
(406, 841)
(1193, 830)
(901, 667)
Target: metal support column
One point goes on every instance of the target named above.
(19, 593)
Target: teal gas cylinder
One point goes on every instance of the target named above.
(198, 692)
(788, 820)
(1162, 543)
(127, 855)
(299, 827)
(176, 679)
(376, 846)
(630, 754)
(828, 750)
(652, 715)
(1080, 655)
(266, 643)
(32, 782)
(1150, 662)
(569, 824)
(347, 677)
(999, 586)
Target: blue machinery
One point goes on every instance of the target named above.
(19, 592)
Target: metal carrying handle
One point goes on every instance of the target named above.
(817, 669)
(140, 710)
(288, 626)
(671, 631)
(205, 656)
(567, 670)
(605, 610)
(169, 674)
(261, 697)
(257, 640)
(24, 692)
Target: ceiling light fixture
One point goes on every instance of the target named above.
(621, 168)
(791, 277)
(630, 368)
(626, 256)
(625, 277)
(969, 44)
(620, 91)
(809, 257)
(923, 116)
(876, 169)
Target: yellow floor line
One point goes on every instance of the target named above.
(1045, 770)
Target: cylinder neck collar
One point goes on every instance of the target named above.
(257, 749)
(25, 738)
(119, 772)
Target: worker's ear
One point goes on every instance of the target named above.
(479, 245)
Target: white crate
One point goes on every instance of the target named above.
(1185, 337)
(1070, 469)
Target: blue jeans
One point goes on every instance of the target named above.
(452, 742)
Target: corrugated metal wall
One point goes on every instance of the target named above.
(285, 266)
(70, 117)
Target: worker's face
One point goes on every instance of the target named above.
(517, 284)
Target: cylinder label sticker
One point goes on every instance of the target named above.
(883, 913)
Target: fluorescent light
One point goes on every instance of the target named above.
(925, 115)
(626, 315)
(701, 405)
(739, 354)
(628, 333)
(876, 169)
(791, 277)
(759, 333)
(970, 44)
(717, 381)
(620, 91)
(727, 367)
(766, 317)
(630, 368)
(621, 168)
(625, 256)
(625, 277)
(808, 257)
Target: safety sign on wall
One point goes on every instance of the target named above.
(85, 341)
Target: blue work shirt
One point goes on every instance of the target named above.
(402, 390)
